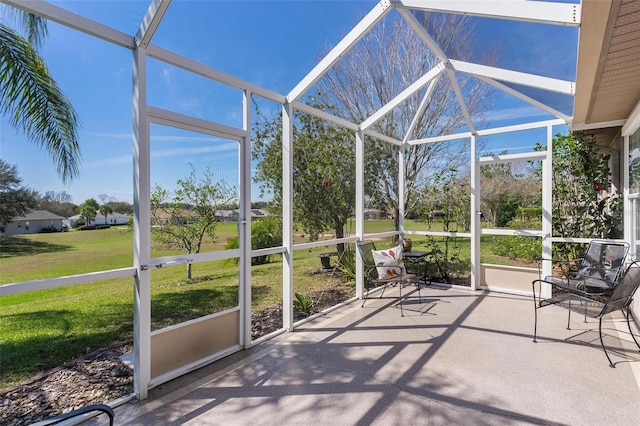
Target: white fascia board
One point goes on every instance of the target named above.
(72, 20)
(150, 22)
(324, 115)
(527, 156)
(528, 11)
(406, 93)
(372, 18)
(526, 98)
(205, 71)
(524, 79)
(595, 126)
(185, 122)
(633, 122)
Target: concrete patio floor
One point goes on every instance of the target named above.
(456, 357)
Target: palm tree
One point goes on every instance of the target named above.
(105, 211)
(32, 100)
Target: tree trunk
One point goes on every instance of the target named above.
(339, 228)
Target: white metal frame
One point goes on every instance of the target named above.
(142, 48)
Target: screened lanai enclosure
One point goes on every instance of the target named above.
(405, 117)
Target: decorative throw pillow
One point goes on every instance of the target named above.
(388, 262)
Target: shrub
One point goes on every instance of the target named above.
(265, 232)
(303, 304)
(515, 247)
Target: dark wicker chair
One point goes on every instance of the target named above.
(372, 279)
(612, 296)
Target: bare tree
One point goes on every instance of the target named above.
(385, 62)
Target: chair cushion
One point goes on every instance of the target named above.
(388, 262)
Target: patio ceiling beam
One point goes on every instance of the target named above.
(421, 109)
(404, 95)
(185, 122)
(372, 18)
(528, 11)
(492, 131)
(520, 127)
(435, 48)
(506, 158)
(382, 137)
(205, 71)
(524, 79)
(526, 98)
(324, 115)
(72, 20)
(444, 138)
(342, 122)
(150, 22)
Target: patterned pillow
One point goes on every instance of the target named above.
(388, 262)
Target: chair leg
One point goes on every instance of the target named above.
(629, 315)
(535, 313)
(400, 299)
(384, 287)
(611, 364)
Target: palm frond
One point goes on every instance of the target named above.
(35, 104)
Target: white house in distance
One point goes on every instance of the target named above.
(32, 223)
(112, 219)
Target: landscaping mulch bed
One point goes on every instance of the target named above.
(102, 377)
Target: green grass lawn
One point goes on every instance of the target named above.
(46, 328)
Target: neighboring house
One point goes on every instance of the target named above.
(32, 223)
(233, 215)
(372, 214)
(113, 219)
(255, 213)
(227, 215)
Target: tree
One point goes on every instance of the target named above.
(32, 100)
(324, 170)
(582, 201)
(105, 210)
(182, 219)
(120, 207)
(60, 203)
(379, 67)
(15, 199)
(445, 199)
(505, 187)
(88, 210)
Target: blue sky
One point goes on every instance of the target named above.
(273, 44)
